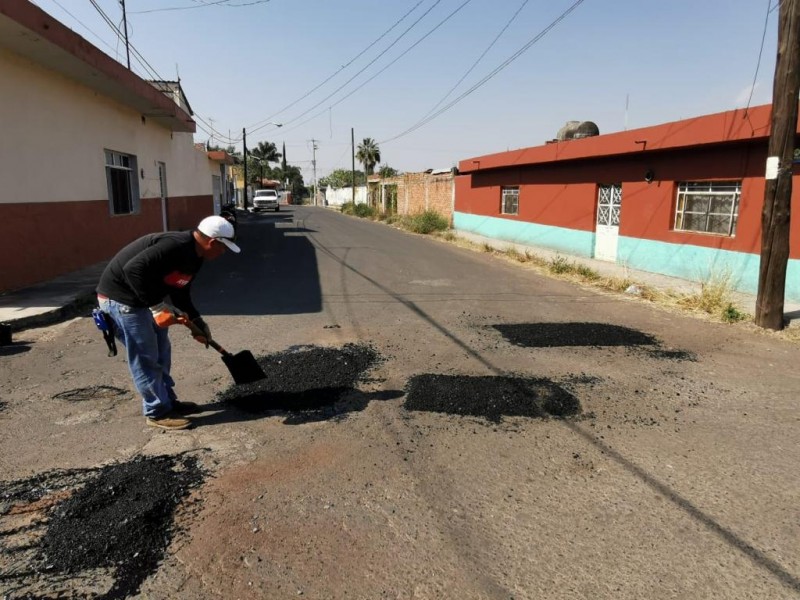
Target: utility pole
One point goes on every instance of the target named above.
(353, 152)
(244, 156)
(314, 165)
(125, 27)
(775, 216)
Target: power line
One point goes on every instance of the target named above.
(150, 70)
(475, 64)
(499, 68)
(343, 98)
(369, 64)
(224, 3)
(82, 24)
(760, 52)
(356, 57)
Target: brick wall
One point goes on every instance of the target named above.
(418, 192)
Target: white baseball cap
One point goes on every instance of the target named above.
(219, 229)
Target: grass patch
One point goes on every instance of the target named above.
(426, 222)
(715, 299)
(358, 210)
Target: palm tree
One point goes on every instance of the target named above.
(266, 151)
(368, 154)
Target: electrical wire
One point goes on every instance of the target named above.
(201, 5)
(369, 64)
(350, 62)
(82, 24)
(760, 52)
(489, 47)
(343, 98)
(486, 78)
(151, 72)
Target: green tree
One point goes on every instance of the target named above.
(341, 178)
(368, 154)
(266, 151)
(387, 171)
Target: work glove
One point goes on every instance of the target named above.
(202, 326)
(165, 315)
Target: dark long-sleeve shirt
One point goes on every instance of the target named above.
(152, 268)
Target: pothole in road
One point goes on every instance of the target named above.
(491, 397)
(94, 392)
(303, 379)
(94, 532)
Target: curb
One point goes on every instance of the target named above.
(76, 307)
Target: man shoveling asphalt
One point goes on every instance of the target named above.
(145, 289)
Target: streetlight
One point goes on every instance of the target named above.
(244, 154)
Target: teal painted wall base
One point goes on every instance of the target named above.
(698, 263)
(695, 263)
(563, 239)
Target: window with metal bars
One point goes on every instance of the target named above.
(708, 207)
(123, 185)
(509, 204)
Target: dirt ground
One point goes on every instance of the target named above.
(673, 474)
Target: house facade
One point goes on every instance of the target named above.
(682, 199)
(93, 156)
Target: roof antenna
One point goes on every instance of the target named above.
(177, 73)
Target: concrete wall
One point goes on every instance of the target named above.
(54, 200)
(337, 197)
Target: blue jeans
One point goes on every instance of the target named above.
(149, 355)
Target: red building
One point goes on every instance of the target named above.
(682, 198)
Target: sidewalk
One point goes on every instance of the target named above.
(72, 294)
(51, 301)
(744, 302)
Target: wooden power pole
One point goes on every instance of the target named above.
(778, 193)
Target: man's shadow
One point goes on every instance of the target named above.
(296, 408)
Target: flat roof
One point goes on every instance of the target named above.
(721, 128)
(27, 30)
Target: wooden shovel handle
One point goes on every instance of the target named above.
(196, 331)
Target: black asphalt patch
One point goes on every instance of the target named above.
(552, 335)
(95, 533)
(304, 379)
(491, 397)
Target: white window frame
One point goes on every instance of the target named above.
(124, 166)
(689, 207)
(509, 200)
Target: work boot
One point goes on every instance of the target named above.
(171, 420)
(185, 408)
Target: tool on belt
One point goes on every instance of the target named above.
(105, 324)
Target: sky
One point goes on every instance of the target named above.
(434, 82)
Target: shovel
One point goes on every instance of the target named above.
(243, 366)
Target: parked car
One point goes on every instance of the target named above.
(266, 200)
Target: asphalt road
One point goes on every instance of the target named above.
(676, 479)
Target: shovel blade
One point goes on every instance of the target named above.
(244, 367)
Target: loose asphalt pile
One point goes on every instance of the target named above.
(109, 531)
(489, 397)
(304, 379)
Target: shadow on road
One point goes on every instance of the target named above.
(275, 274)
(309, 406)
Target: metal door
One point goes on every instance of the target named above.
(162, 182)
(609, 203)
(216, 190)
